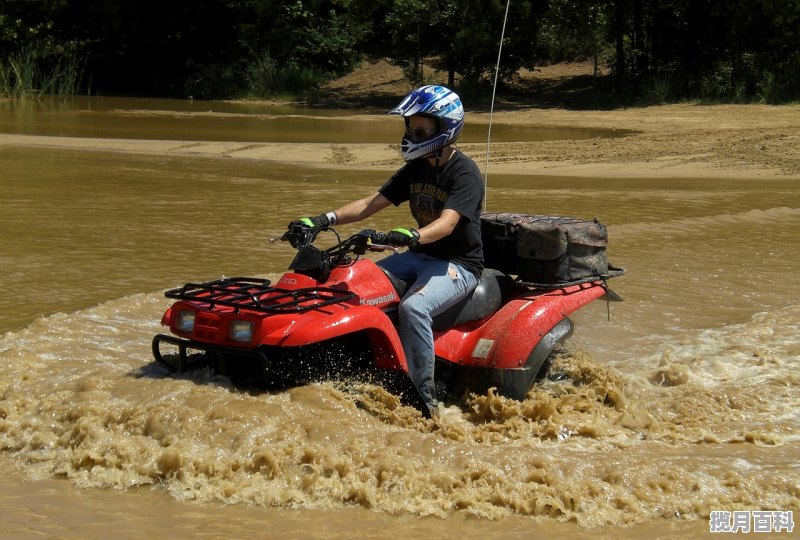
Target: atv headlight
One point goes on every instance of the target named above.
(186, 320)
(241, 331)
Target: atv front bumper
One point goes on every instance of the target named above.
(220, 358)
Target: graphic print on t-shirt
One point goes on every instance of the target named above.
(426, 201)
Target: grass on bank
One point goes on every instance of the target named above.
(33, 72)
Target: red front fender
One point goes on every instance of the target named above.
(324, 325)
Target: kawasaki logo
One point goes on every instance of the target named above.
(379, 300)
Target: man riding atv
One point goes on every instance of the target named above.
(445, 193)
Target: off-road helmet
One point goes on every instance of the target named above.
(439, 103)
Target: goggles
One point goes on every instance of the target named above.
(419, 134)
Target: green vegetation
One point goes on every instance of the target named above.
(36, 71)
(737, 50)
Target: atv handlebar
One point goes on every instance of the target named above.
(300, 236)
(312, 260)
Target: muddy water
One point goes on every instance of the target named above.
(685, 402)
(244, 122)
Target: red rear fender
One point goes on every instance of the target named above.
(507, 338)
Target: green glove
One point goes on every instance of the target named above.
(402, 237)
(320, 222)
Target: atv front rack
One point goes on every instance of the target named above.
(256, 294)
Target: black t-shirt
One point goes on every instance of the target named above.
(458, 187)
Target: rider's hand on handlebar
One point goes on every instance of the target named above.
(320, 222)
(401, 237)
(300, 231)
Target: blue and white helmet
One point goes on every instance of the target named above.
(439, 103)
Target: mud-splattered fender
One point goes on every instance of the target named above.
(343, 320)
(506, 339)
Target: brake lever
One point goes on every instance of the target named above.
(383, 247)
(281, 238)
(308, 236)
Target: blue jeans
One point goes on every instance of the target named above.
(437, 285)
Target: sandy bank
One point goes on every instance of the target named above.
(673, 140)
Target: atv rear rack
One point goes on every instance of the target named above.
(613, 272)
(256, 294)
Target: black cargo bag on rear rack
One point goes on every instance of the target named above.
(546, 250)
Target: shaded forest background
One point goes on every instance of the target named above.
(655, 50)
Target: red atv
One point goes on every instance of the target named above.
(334, 315)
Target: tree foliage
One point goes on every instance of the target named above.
(736, 50)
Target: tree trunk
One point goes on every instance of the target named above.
(640, 58)
(619, 36)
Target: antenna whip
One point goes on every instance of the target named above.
(491, 109)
